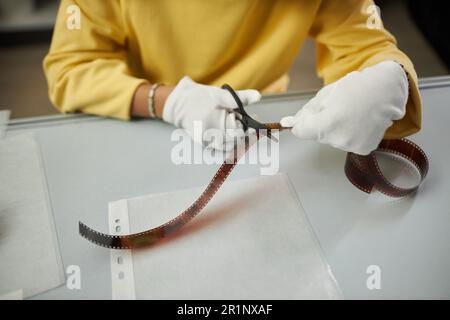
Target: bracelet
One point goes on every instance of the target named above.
(151, 100)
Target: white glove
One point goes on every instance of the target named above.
(190, 102)
(354, 112)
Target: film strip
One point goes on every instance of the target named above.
(365, 173)
(362, 171)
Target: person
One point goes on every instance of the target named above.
(168, 59)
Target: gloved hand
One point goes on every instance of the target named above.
(354, 112)
(190, 102)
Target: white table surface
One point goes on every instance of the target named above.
(90, 161)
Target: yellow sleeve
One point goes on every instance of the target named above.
(345, 43)
(86, 67)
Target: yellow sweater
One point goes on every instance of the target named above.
(247, 43)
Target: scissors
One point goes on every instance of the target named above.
(246, 120)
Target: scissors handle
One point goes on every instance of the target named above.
(247, 121)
